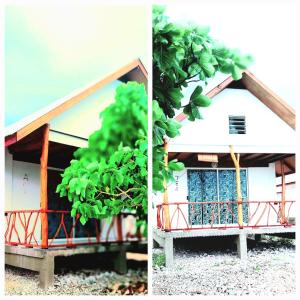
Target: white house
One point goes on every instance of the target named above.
(37, 149)
(260, 128)
(39, 226)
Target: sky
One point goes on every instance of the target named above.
(52, 50)
(266, 31)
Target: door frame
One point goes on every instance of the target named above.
(217, 169)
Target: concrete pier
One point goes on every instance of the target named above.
(241, 243)
(43, 260)
(165, 239)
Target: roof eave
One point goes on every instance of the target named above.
(134, 71)
(260, 91)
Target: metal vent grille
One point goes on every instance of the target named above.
(237, 125)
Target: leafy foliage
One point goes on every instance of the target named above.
(110, 175)
(183, 54)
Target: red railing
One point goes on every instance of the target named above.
(223, 215)
(23, 227)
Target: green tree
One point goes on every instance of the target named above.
(183, 54)
(110, 175)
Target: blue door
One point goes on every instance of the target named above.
(215, 186)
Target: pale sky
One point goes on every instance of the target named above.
(266, 30)
(52, 50)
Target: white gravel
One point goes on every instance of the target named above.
(269, 270)
(83, 282)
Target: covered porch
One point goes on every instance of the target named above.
(210, 201)
(215, 209)
(48, 222)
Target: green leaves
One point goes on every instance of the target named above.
(183, 54)
(192, 112)
(174, 165)
(236, 73)
(175, 97)
(111, 174)
(172, 128)
(198, 99)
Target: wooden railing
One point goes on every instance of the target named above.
(23, 227)
(223, 215)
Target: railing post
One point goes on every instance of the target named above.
(119, 228)
(158, 220)
(43, 186)
(236, 161)
(167, 225)
(283, 219)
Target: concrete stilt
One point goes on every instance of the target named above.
(241, 242)
(42, 260)
(169, 252)
(120, 262)
(46, 272)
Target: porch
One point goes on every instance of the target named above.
(26, 247)
(203, 201)
(38, 223)
(260, 217)
(23, 229)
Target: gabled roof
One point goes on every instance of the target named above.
(260, 91)
(134, 71)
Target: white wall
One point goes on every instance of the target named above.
(83, 118)
(8, 180)
(25, 194)
(265, 131)
(290, 193)
(262, 187)
(262, 183)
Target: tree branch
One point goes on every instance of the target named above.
(117, 195)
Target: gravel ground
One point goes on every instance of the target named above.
(269, 270)
(83, 282)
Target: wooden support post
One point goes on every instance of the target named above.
(119, 228)
(44, 180)
(236, 161)
(167, 225)
(283, 189)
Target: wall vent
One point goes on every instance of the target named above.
(237, 125)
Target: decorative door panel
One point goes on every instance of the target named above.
(215, 186)
(194, 194)
(202, 187)
(227, 192)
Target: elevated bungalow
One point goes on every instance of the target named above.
(37, 149)
(237, 159)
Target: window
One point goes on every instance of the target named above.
(237, 125)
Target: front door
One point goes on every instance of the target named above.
(216, 186)
(57, 204)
